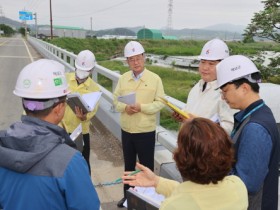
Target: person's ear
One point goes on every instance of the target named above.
(144, 56)
(59, 109)
(245, 87)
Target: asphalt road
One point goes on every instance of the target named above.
(106, 160)
(15, 53)
(106, 154)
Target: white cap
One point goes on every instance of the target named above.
(235, 67)
(214, 50)
(133, 48)
(85, 60)
(42, 79)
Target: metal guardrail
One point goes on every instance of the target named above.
(106, 113)
(164, 165)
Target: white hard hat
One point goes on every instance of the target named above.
(233, 68)
(42, 79)
(214, 50)
(133, 48)
(85, 60)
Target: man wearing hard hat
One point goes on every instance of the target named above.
(255, 133)
(81, 82)
(203, 99)
(138, 120)
(37, 169)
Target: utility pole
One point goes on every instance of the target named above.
(169, 19)
(51, 19)
(1, 15)
(91, 27)
(25, 29)
(36, 26)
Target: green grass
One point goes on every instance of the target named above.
(105, 49)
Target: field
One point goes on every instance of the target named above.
(106, 49)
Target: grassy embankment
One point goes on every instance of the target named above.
(176, 83)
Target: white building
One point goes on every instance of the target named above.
(62, 31)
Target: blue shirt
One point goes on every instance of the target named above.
(253, 156)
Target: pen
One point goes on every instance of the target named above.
(132, 173)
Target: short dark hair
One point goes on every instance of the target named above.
(45, 112)
(205, 152)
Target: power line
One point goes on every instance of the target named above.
(1, 12)
(29, 5)
(98, 11)
(35, 4)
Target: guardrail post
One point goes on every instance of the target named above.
(65, 57)
(71, 61)
(114, 82)
(59, 54)
(95, 76)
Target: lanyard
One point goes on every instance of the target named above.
(247, 115)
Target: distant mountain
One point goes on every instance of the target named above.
(115, 31)
(222, 31)
(135, 29)
(226, 27)
(12, 23)
(203, 34)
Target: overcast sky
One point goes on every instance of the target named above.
(131, 13)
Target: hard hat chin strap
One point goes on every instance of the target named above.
(34, 105)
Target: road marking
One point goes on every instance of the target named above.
(9, 45)
(11, 56)
(10, 38)
(3, 42)
(30, 56)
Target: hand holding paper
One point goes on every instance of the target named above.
(128, 99)
(79, 113)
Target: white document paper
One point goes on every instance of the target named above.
(77, 137)
(128, 99)
(86, 102)
(92, 98)
(76, 132)
(148, 194)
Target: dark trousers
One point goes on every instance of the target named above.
(86, 150)
(141, 145)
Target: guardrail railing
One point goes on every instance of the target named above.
(106, 112)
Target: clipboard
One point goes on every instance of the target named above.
(86, 102)
(141, 201)
(175, 108)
